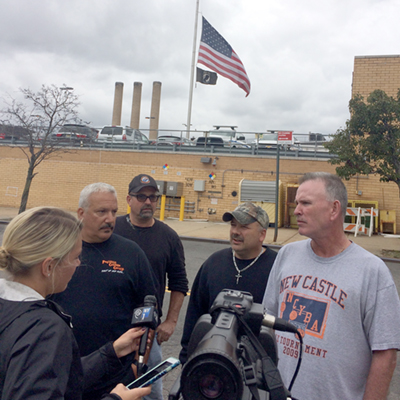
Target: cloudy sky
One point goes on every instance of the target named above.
(299, 56)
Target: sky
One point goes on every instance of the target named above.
(299, 56)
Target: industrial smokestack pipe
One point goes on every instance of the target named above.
(155, 110)
(117, 110)
(136, 101)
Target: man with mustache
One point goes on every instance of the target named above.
(245, 266)
(164, 250)
(112, 280)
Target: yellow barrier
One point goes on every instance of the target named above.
(162, 210)
(182, 210)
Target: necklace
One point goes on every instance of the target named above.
(238, 276)
(130, 222)
(134, 227)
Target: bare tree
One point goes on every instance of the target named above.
(39, 115)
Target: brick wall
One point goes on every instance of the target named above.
(60, 179)
(376, 72)
(371, 73)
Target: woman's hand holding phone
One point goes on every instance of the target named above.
(134, 394)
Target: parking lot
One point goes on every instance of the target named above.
(217, 149)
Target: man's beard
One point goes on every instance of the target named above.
(146, 213)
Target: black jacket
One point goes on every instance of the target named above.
(39, 357)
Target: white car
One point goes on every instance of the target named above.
(121, 134)
(267, 141)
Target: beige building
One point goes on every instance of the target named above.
(60, 180)
(376, 72)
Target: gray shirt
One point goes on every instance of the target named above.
(346, 306)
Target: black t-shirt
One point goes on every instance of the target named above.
(163, 249)
(112, 280)
(217, 273)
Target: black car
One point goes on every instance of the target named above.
(75, 133)
(209, 141)
(13, 133)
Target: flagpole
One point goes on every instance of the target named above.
(189, 115)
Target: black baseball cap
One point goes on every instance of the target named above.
(141, 181)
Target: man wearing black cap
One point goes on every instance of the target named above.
(244, 266)
(164, 250)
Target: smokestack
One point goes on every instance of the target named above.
(117, 110)
(136, 100)
(155, 110)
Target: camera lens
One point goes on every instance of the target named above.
(211, 386)
(211, 377)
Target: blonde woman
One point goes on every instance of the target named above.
(39, 357)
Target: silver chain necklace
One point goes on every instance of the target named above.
(130, 222)
(238, 276)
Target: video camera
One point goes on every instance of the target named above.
(232, 353)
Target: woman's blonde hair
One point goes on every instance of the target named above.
(36, 234)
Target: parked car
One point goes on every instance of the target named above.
(121, 134)
(230, 137)
(210, 141)
(267, 141)
(11, 132)
(172, 140)
(315, 143)
(75, 133)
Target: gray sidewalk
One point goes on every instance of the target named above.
(384, 246)
(380, 245)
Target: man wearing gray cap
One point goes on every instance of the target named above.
(244, 266)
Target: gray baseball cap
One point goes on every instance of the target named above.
(248, 213)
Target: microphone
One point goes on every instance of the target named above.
(146, 316)
(278, 324)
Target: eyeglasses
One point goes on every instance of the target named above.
(142, 197)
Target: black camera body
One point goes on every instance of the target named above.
(223, 362)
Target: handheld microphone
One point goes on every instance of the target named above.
(278, 324)
(146, 316)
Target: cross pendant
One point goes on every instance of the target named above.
(238, 276)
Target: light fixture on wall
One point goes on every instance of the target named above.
(214, 163)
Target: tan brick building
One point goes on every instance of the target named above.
(60, 180)
(376, 72)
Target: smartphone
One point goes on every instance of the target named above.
(155, 373)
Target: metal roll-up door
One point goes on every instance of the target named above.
(263, 194)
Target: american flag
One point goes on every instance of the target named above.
(217, 54)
